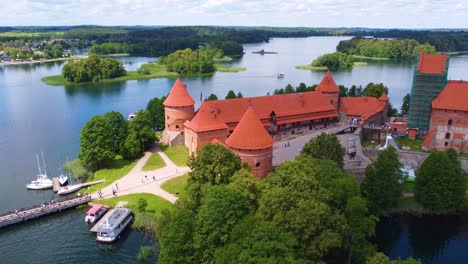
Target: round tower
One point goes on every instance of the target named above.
(329, 89)
(251, 141)
(178, 107)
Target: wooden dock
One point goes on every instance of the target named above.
(22, 215)
(56, 184)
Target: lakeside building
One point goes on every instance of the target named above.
(430, 77)
(250, 126)
(449, 119)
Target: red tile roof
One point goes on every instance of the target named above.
(364, 107)
(432, 63)
(427, 141)
(458, 136)
(327, 85)
(453, 97)
(250, 133)
(205, 119)
(384, 97)
(284, 106)
(179, 95)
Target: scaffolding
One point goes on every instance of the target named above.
(426, 87)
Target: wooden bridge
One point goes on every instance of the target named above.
(18, 216)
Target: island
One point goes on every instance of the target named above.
(331, 61)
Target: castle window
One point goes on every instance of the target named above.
(177, 126)
(446, 143)
(447, 135)
(257, 164)
(331, 101)
(450, 122)
(167, 117)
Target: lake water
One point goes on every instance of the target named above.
(39, 118)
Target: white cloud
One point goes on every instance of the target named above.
(314, 13)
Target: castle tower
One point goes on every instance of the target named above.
(178, 108)
(251, 141)
(384, 100)
(329, 89)
(430, 77)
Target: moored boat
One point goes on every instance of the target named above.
(116, 222)
(96, 212)
(42, 181)
(63, 179)
(69, 189)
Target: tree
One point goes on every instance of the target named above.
(231, 95)
(118, 126)
(142, 124)
(391, 110)
(325, 146)
(248, 186)
(95, 143)
(176, 238)
(155, 109)
(92, 69)
(293, 198)
(256, 241)
(131, 148)
(334, 61)
(439, 182)
(220, 210)
(211, 97)
(382, 185)
(380, 258)
(213, 165)
(239, 95)
(406, 104)
(375, 90)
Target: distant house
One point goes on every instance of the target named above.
(5, 57)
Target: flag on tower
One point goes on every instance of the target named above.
(201, 97)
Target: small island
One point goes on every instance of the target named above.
(94, 69)
(331, 61)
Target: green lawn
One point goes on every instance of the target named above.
(176, 185)
(413, 144)
(310, 67)
(154, 162)
(223, 68)
(113, 171)
(178, 154)
(155, 203)
(369, 58)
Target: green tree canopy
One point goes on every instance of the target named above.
(231, 95)
(211, 97)
(221, 209)
(380, 258)
(213, 165)
(293, 198)
(439, 182)
(96, 144)
(405, 105)
(92, 69)
(325, 146)
(255, 241)
(248, 186)
(131, 148)
(334, 61)
(187, 61)
(155, 109)
(118, 126)
(382, 185)
(374, 90)
(142, 124)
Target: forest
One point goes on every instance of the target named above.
(190, 61)
(92, 69)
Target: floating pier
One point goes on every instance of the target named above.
(22, 215)
(56, 184)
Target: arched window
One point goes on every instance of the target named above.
(450, 122)
(257, 164)
(447, 135)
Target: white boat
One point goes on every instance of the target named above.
(280, 75)
(116, 222)
(42, 181)
(63, 179)
(131, 116)
(69, 189)
(96, 212)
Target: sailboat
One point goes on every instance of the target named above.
(63, 179)
(42, 181)
(71, 188)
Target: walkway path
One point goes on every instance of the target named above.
(139, 181)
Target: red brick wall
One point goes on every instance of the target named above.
(334, 99)
(195, 141)
(176, 117)
(260, 161)
(442, 117)
(459, 124)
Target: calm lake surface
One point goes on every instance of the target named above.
(39, 118)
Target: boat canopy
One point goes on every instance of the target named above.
(94, 209)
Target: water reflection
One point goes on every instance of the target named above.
(95, 90)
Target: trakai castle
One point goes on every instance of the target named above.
(251, 126)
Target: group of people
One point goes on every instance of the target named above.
(114, 190)
(146, 179)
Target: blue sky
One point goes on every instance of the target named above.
(310, 13)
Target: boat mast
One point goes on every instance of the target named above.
(43, 164)
(38, 165)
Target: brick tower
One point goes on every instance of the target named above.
(251, 141)
(178, 108)
(329, 89)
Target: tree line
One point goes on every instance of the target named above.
(104, 137)
(307, 211)
(92, 69)
(397, 49)
(334, 61)
(230, 95)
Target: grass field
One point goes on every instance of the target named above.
(413, 144)
(223, 59)
(178, 154)
(222, 68)
(312, 68)
(154, 162)
(113, 171)
(176, 185)
(155, 203)
(369, 58)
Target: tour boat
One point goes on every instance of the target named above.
(110, 230)
(96, 212)
(69, 189)
(280, 75)
(42, 181)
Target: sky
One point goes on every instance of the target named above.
(286, 13)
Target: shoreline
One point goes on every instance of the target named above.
(7, 63)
